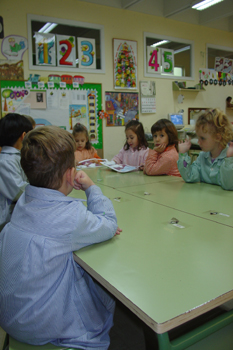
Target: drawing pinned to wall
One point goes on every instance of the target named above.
(45, 49)
(125, 64)
(11, 70)
(121, 107)
(14, 46)
(77, 114)
(66, 51)
(86, 53)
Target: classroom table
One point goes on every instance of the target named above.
(165, 274)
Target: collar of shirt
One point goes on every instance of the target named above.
(168, 148)
(9, 149)
(48, 194)
(222, 155)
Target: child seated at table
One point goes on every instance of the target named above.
(45, 295)
(162, 160)
(215, 164)
(135, 149)
(84, 149)
(13, 128)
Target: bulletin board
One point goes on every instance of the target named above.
(63, 107)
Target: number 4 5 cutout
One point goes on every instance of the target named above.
(154, 57)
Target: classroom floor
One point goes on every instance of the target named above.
(129, 333)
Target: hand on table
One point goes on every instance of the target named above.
(118, 231)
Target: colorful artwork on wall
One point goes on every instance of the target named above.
(121, 107)
(125, 64)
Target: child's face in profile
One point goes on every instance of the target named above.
(131, 138)
(81, 140)
(160, 138)
(207, 140)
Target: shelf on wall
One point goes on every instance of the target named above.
(176, 87)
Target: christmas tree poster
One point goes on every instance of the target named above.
(125, 64)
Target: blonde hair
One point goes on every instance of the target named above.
(218, 124)
(47, 153)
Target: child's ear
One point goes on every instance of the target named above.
(218, 137)
(70, 175)
(23, 135)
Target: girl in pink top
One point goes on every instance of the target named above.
(135, 149)
(162, 160)
(84, 149)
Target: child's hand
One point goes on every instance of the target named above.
(184, 146)
(160, 148)
(118, 231)
(82, 181)
(230, 150)
(141, 167)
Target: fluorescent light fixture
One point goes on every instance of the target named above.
(205, 4)
(47, 27)
(182, 49)
(160, 43)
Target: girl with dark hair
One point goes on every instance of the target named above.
(162, 160)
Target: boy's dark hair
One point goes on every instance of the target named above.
(12, 126)
(81, 128)
(47, 153)
(170, 130)
(228, 99)
(138, 129)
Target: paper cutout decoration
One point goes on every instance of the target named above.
(167, 61)
(153, 60)
(66, 51)
(14, 46)
(45, 49)
(86, 53)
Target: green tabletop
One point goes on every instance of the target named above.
(210, 202)
(165, 274)
(108, 177)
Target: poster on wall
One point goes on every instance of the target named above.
(167, 61)
(121, 107)
(63, 107)
(86, 53)
(11, 70)
(66, 51)
(153, 60)
(45, 49)
(147, 96)
(14, 46)
(125, 64)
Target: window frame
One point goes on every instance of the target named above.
(170, 38)
(217, 47)
(31, 17)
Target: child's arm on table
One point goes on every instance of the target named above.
(98, 221)
(118, 159)
(189, 172)
(156, 165)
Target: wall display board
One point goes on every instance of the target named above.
(54, 105)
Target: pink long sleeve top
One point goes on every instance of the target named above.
(164, 163)
(131, 156)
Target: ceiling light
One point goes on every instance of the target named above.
(47, 27)
(182, 49)
(205, 4)
(160, 43)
